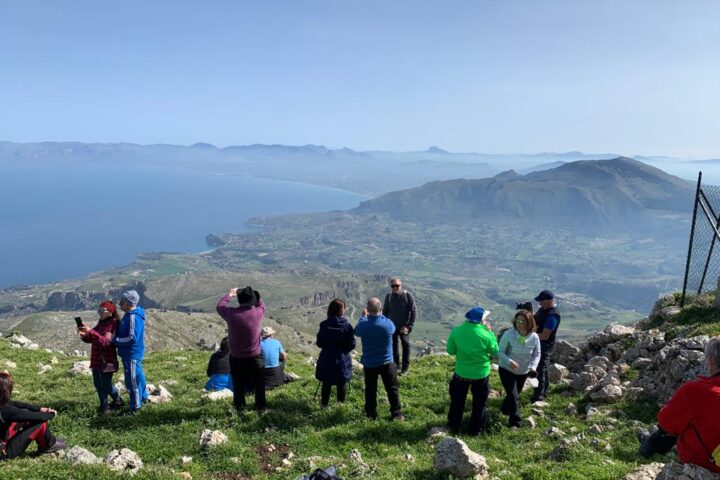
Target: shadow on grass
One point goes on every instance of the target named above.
(147, 417)
(380, 431)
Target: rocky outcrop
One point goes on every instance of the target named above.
(600, 365)
(89, 300)
(317, 298)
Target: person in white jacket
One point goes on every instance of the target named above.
(519, 352)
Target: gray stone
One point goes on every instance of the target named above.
(642, 363)
(81, 368)
(159, 394)
(607, 394)
(583, 382)
(219, 395)
(124, 460)
(557, 372)
(212, 438)
(685, 471)
(453, 456)
(80, 456)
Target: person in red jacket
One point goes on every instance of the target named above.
(691, 418)
(24, 423)
(103, 355)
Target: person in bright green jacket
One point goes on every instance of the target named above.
(474, 345)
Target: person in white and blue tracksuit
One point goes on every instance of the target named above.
(130, 344)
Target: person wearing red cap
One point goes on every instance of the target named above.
(103, 355)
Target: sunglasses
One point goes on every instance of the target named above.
(102, 310)
(394, 286)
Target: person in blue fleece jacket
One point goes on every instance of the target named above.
(130, 344)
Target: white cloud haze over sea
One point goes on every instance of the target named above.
(488, 76)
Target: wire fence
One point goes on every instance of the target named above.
(703, 261)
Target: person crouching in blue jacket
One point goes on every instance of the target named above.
(130, 344)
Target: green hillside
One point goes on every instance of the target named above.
(161, 434)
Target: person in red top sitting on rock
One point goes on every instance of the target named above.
(691, 418)
(103, 355)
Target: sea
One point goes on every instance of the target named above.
(67, 221)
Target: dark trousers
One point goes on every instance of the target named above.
(513, 385)
(405, 341)
(248, 371)
(659, 442)
(388, 373)
(458, 393)
(104, 386)
(542, 371)
(20, 435)
(325, 393)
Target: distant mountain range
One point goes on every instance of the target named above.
(592, 195)
(368, 172)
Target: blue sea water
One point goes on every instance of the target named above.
(64, 222)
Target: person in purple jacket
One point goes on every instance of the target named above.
(246, 361)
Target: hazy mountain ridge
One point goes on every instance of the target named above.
(618, 193)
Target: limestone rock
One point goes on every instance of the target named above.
(124, 460)
(81, 368)
(685, 471)
(185, 459)
(437, 432)
(583, 382)
(212, 438)
(453, 456)
(607, 394)
(219, 395)
(641, 363)
(557, 372)
(645, 472)
(44, 369)
(159, 394)
(9, 364)
(78, 455)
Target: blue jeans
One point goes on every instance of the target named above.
(219, 381)
(104, 386)
(135, 383)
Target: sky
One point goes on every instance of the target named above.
(502, 76)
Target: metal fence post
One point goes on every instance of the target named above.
(692, 235)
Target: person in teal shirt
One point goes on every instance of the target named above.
(474, 346)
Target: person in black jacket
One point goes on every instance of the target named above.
(547, 320)
(218, 368)
(399, 306)
(22, 423)
(336, 339)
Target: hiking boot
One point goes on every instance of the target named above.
(398, 417)
(104, 410)
(116, 404)
(642, 436)
(58, 444)
(403, 372)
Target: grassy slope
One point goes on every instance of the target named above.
(161, 434)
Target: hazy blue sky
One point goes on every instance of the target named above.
(631, 77)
